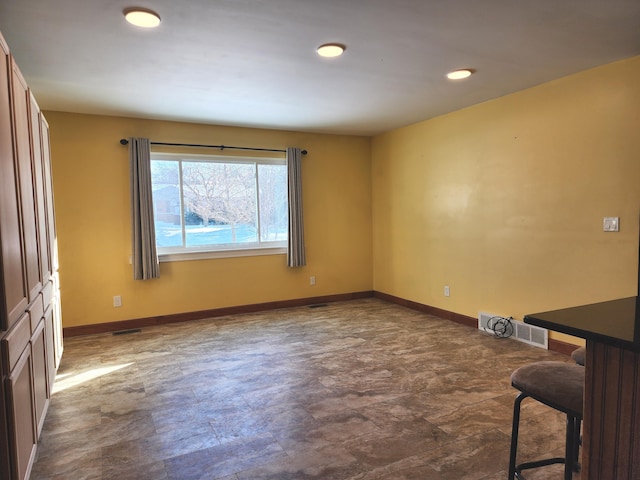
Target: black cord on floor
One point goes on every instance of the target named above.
(501, 327)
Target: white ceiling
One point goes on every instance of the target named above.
(253, 62)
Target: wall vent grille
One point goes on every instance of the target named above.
(530, 334)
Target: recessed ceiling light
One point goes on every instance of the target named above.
(459, 74)
(331, 50)
(142, 17)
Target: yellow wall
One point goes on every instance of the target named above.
(501, 201)
(504, 201)
(91, 184)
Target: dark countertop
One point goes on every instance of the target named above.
(616, 322)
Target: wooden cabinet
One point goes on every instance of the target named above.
(21, 102)
(4, 432)
(48, 197)
(58, 344)
(40, 375)
(13, 289)
(39, 190)
(22, 431)
(19, 397)
(15, 342)
(49, 339)
(30, 315)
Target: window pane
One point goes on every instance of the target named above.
(211, 204)
(166, 203)
(273, 202)
(219, 203)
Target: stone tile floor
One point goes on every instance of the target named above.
(358, 390)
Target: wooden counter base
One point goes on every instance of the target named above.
(611, 448)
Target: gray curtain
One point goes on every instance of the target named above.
(145, 257)
(295, 252)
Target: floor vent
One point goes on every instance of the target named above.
(536, 336)
(318, 305)
(126, 332)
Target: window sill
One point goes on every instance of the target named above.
(204, 255)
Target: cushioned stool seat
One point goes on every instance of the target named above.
(560, 386)
(578, 355)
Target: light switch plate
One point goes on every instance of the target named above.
(611, 224)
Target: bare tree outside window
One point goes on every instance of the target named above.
(212, 202)
(165, 181)
(223, 193)
(273, 202)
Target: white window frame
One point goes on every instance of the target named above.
(171, 254)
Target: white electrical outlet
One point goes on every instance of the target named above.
(611, 224)
(447, 292)
(117, 301)
(312, 280)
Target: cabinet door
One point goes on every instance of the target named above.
(49, 338)
(4, 439)
(20, 96)
(40, 380)
(39, 189)
(22, 432)
(58, 341)
(13, 290)
(48, 188)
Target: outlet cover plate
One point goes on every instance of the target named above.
(611, 224)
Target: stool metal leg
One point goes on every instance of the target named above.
(577, 442)
(514, 434)
(570, 448)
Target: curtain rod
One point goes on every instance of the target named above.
(124, 141)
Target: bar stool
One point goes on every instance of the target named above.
(560, 386)
(578, 355)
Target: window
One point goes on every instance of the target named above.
(225, 205)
